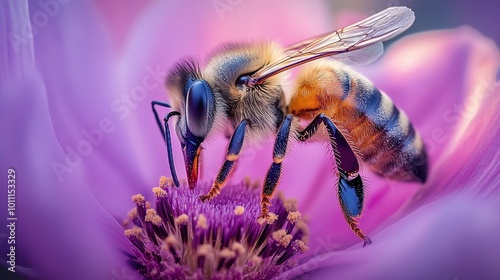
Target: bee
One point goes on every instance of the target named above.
(240, 89)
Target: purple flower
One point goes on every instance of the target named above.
(76, 80)
(182, 237)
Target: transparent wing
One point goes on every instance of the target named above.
(346, 43)
(361, 56)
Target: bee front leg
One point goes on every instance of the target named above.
(350, 185)
(274, 173)
(233, 151)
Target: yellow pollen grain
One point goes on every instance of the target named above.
(171, 241)
(238, 248)
(227, 254)
(138, 198)
(156, 220)
(238, 210)
(159, 192)
(204, 250)
(269, 220)
(201, 222)
(302, 246)
(285, 240)
(182, 219)
(272, 218)
(150, 215)
(293, 217)
(277, 235)
(133, 232)
(162, 182)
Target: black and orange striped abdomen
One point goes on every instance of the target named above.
(388, 142)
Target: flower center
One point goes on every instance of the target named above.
(185, 238)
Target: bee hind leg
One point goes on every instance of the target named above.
(350, 184)
(233, 150)
(274, 173)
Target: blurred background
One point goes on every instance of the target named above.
(481, 15)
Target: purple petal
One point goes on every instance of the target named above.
(446, 82)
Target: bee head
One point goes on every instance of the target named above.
(199, 118)
(193, 98)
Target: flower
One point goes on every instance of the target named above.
(76, 82)
(184, 238)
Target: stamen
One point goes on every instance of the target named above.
(137, 232)
(293, 217)
(203, 252)
(163, 182)
(138, 198)
(182, 219)
(201, 222)
(159, 192)
(182, 222)
(174, 237)
(269, 219)
(171, 244)
(238, 248)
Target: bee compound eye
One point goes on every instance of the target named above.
(200, 108)
(242, 80)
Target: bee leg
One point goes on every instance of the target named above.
(165, 132)
(350, 185)
(274, 173)
(233, 150)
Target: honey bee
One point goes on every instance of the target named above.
(241, 90)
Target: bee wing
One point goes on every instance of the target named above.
(351, 39)
(361, 56)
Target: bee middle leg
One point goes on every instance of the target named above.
(274, 172)
(350, 184)
(233, 151)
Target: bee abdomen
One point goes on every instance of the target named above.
(383, 134)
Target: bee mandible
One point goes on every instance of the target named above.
(240, 89)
